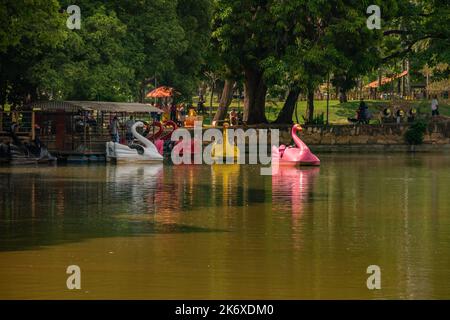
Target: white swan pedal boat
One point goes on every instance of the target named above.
(136, 153)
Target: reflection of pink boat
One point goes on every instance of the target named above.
(292, 193)
(292, 187)
(299, 155)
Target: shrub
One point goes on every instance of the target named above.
(416, 133)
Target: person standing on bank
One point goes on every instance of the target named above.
(114, 128)
(435, 107)
(173, 112)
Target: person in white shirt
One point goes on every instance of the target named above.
(435, 106)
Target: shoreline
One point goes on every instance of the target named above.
(381, 148)
(362, 149)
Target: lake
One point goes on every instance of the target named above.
(226, 232)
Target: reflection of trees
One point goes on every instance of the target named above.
(47, 206)
(217, 186)
(385, 210)
(41, 192)
(393, 211)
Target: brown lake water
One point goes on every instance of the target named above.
(226, 232)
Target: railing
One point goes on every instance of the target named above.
(23, 131)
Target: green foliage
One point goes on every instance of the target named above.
(195, 19)
(30, 25)
(297, 44)
(28, 31)
(123, 47)
(421, 29)
(416, 132)
(90, 66)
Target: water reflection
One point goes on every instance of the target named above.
(226, 184)
(41, 206)
(292, 188)
(138, 185)
(225, 232)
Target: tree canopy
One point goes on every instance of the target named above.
(125, 48)
(122, 49)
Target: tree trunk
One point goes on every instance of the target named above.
(361, 93)
(286, 114)
(380, 78)
(255, 97)
(213, 87)
(408, 79)
(225, 100)
(142, 86)
(342, 95)
(3, 87)
(310, 106)
(202, 91)
(141, 93)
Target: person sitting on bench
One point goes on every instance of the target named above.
(411, 115)
(362, 114)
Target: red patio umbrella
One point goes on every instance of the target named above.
(385, 80)
(161, 92)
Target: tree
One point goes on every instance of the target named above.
(122, 49)
(29, 30)
(242, 31)
(212, 80)
(286, 113)
(316, 46)
(155, 39)
(225, 100)
(419, 28)
(166, 41)
(91, 65)
(324, 39)
(195, 17)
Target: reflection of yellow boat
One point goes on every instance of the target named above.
(226, 176)
(225, 170)
(224, 149)
(224, 173)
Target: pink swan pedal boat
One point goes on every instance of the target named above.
(298, 155)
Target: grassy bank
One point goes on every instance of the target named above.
(339, 112)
